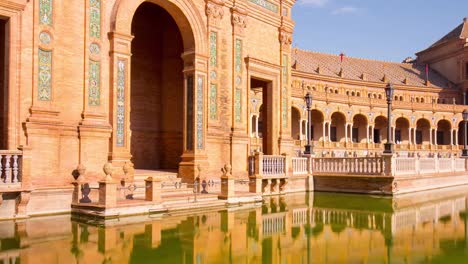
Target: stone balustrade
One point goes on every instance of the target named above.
(363, 166)
(300, 165)
(10, 166)
(420, 166)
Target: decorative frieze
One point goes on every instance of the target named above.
(44, 75)
(121, 80)
(200, 104)
(94, 86)
(266, 4)
(45, 12)
(95, 18)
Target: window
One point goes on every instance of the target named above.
(355, 134)
(397, 136)
(419, 137)
(333, 134)
(440, 138)
(377, 136)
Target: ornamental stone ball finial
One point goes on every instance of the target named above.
(108, 168)
(227, 171)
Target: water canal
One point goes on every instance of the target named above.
(429, 227)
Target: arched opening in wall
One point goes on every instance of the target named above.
(423, 131)
(380, 129)
(265, 126)
(337, 128)
(401, 131)
(295, 123)
(4, 102)
(444, 129)
(359, 129)
(157, 89)
(316, 127)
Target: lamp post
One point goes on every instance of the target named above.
(308, 101)
(465, 121)
(388, 147)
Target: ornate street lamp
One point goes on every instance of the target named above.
(388, 147)
(465, 121)
(308, 101)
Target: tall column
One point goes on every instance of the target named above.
(409, 135)
(329, 131)
(324, 135)
(367, 134)
(238, 92)
(451, 136)
(285, 40)
(346, 133)
(94, 129)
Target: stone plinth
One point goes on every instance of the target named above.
(107, 192)
(153, 189)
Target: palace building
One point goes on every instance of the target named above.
(180, 88)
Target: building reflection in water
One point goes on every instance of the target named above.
(312, 228)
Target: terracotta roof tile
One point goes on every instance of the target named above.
(353, 68)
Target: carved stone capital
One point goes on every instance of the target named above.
(285, 38)
(214, 11)
(238, 20)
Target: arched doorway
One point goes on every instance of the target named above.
(423, 131)
(295, 123)
(157, 89)
(337, 127)
(359, 130)
(444, 129)
(402, 131)
(380, 129)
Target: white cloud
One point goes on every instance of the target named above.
(345, 10)
(314, 2)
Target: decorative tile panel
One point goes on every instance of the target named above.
(121, 79)
(266, 4)
(95, 18)
(238, 106)
(189, 124)
(213, 101)
(45, 12)
(200, 112)
(238, 56)
(285, 69)
(285, 107)
(45, 38)
(45, 75)
(213, 49)
(94, 48)
(94, 89)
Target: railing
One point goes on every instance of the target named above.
(10, 166)
(421, 166)
(299, 166)
(364, 166)
(405, 166)
(273, 165)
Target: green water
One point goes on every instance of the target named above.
(314, 228)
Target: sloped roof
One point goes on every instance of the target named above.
(460, 32)
(374, 71)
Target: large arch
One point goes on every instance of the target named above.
(359, 129)
(317, 127)
(185, 13)
(337, 127)
(188, 60)
(380, 129)
(444, 130)
(423, 131)
(402, 131)
(157, 89)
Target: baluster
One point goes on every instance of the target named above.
(7, 169)
(15, 169)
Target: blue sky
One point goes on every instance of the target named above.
(389, 30)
